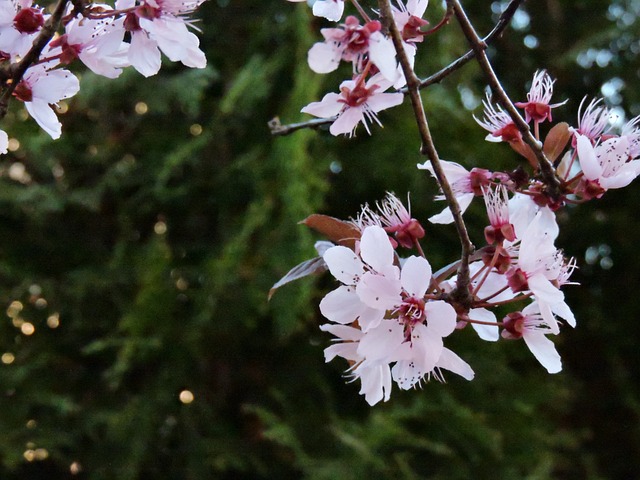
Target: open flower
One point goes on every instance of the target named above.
(465, 185)
(537, 107)
(498, 123)
(357, 102)
(41, 87)
(533, 328)
(605, 166)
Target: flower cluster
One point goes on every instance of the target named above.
(391, 314)
(374, 67)
(105, 39)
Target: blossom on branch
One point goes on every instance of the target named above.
(537, 107)
(357, 102)
(41, 87)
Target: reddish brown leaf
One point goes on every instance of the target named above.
(338, 231)
(525, 150)
(556, 141)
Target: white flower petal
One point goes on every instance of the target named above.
(415, 276)
(441, 318)
(344, 264)
(376, 249)
(452, 362)
(544, 350)
(489, 333)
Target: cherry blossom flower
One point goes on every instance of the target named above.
(408, 19)
(497, 203)
(593, 121)
(97, 43)
(41, 87)
(498, 123)
(465, 185)
(375, 376)
(397, 219)
(350, 42)
(357, 102)
(533, 328)
(605, 166)
(20, 23)
(537, 105)
(539, 267)
(161, 25)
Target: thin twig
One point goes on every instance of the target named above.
(17, 70)
(461, 294)
(552, 182)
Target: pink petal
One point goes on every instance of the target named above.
(323, 57)
(344, 264)
(489, 333)
(342, 305)
(379, 292)
(381, 342)
(376, 249)
(347, 121)
(416, 276)
(544, 350)
(452, 362)
(382, 101)
(441, 318)
(587, 157)
(325, 108)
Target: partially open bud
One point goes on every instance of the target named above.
(28, 20)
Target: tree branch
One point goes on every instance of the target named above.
(461, 294)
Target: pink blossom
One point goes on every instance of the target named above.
(537, 106)
(20, 23)
(349, 42)
(593, 121)
(465, 185)
(97, 43)
(498, 123)
(606, 165)
(161, 26)
(39, 88)
(531, 326)
(357, 102)
(497, 203)
(397, 219)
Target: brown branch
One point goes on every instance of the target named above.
(552, 182)
(496, 32)
(17, 70)
(278, 129)
(461, 294)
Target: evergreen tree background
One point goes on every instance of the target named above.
(137, 251)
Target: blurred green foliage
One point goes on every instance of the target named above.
(140, 248)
